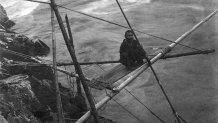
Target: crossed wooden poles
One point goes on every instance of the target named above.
(131, 76)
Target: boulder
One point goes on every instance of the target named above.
(17, 100)
(22, 44)
(25, 98)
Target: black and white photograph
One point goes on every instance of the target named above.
(108, 61)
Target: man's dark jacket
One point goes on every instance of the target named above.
(133, 49)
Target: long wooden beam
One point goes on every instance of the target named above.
(164, 57)
(141, 69)
(78, 85)
(57, 89)
(73, 56)
(107, 62)
(89, 63)
(188, 53)
(38, 62)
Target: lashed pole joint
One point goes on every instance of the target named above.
(166, 50)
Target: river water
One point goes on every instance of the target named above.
(190, 82)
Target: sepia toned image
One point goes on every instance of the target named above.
(108, 61)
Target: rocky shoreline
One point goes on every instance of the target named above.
(27, 93)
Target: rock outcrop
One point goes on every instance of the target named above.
(4, 20)
(22, 44)
(25, 98)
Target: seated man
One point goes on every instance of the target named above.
(131, 52)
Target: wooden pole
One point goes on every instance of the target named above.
(164, 57)
(88, 63)
(106, 62)
(57, 91)
(78, 85)
(73, 56)
(188, 53)
(82, 77)
(141, 69)
(150, 65)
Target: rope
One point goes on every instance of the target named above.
(182, 118)
(127, 110)
(93, 98)
(117, 102)
(145, 106)
(97, 18)
(71, 85)
(100, 67)
(103, 108)
(167, 98)
(138, 101)
(153, 71)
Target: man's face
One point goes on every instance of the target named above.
(129, 35)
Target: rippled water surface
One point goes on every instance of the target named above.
(190, 82)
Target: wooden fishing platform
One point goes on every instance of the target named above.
(107, 79)
(119, 71)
